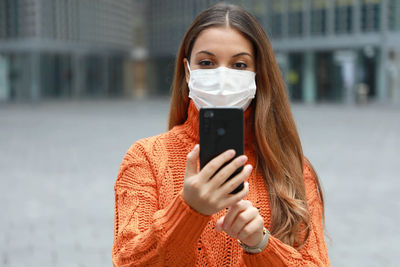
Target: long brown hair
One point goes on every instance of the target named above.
(279, 152)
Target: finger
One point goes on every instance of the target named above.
(219, 224)
(212, 167)
(231, 199)
(222, 175)
(191, 162)
(242, 219)
(233, 212)
(233, 183)
(252, 233)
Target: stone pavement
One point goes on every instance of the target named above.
(59, 161)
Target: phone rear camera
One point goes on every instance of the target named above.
(221, 131)
(209, 114)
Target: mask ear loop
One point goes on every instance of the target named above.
(187, 64)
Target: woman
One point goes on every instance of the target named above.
(169, 213)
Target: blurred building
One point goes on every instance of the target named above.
(328, 50)
(63, 48)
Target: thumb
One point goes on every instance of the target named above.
(191, 162)
(219, 224)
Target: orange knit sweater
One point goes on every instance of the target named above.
(155, 227)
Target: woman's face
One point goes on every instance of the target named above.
(221, 47)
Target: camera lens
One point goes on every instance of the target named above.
(221, 131)
(209, 114)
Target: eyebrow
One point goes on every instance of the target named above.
(243, 54)
(205, 52)
(236, 55)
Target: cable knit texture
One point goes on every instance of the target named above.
(155, 227)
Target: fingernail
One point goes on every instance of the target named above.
(243, 159)
(249, 168)
(231, 152)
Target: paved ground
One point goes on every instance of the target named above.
(59, 160)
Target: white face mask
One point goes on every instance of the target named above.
(223, 87)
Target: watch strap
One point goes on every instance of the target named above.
(260, 247)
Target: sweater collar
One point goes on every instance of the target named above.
(191, 124)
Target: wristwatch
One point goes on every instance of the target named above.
(260, 247)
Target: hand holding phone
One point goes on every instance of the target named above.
(221, 129)
(220, 182)
(207, 191)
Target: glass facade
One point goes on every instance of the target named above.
(84, 45)
(295, 15)
(324, 46)
(370, 19)
(319, 17)
(344, 16)
(276, 19)
(64, 48)
(9, 16)
(394, 15)
(51, 75)
(295, 76)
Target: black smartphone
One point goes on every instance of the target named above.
(221, 129)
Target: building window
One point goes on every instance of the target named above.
(296, 8)
(9, 19)
(318, 17)
(276, 19)
(343, 16)
(260, 12)
(370, 15)
(394, 15)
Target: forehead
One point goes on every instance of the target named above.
(222, 39)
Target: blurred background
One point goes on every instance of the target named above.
(328, 50)
(78, 77)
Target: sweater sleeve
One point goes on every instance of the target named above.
(144, 234)
(314, 251)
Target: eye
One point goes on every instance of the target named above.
(240, 65)
(206, 63)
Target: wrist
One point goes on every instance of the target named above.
(259, 247)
